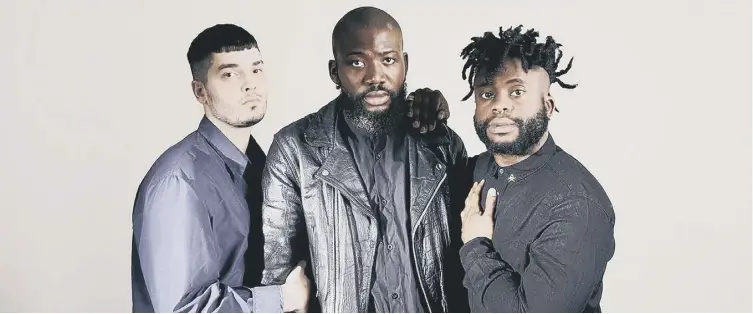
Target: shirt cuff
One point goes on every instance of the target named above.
(479, 259)
(266, 299)
(474, 249)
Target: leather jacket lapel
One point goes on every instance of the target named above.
(338, 169)
(426, 173)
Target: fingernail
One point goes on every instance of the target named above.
(423, 129)
(416, 124)
(492, 191)
(441, 116)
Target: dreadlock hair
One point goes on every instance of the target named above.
(489, 52)
(216, 39)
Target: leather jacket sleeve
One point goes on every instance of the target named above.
(461, 174)
(281, 213)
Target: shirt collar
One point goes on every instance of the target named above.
(525, 167)
(221, 143)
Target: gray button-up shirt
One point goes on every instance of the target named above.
(381, 164)
(553, 236)
(191, 228)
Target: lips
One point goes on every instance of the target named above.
(377, 98)
(502, 126)
(251, 101)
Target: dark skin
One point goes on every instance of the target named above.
(374, 55)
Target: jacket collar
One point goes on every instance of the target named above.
(339, 170)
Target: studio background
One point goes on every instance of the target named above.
(94, 91)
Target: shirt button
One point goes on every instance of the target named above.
(389, 247)
(501, 171)
(394, 296)
(379, 156)
(384, 202)
(325, 173)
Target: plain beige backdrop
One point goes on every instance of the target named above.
(93, 91)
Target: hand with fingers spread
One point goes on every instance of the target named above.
(295, 290)
(478, 222)
(428, 108)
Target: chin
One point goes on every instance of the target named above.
(503, 139)
(378, 108)
(249, 120)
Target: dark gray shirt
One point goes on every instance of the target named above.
(553, 236)
(191, 229)
(381, 164)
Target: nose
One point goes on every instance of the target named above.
(248, 86)
(501, 105)
(374, 75)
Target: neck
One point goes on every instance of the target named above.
(509, 160)
(238, 136)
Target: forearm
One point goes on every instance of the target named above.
(564, 266)
(492, 284)
(281, 215)
(278, 250)
(221, 298)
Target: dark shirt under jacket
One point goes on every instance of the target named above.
(553, 236)
(381, 164)
(191, 229)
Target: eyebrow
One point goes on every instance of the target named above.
(515, 80)
(234, 65)
(226, 66)
(361, 53)
(487, 82)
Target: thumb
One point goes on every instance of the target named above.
(491, 202)
(300, 266)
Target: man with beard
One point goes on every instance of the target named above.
(543, 239)
(366, 199)
(192, 217)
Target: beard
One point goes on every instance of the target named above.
(225, 113)
(375, 123)
(530, 133)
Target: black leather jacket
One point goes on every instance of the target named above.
(315, 208)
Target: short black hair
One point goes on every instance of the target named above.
(488, 52)
(216, 39)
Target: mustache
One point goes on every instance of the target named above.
(518, 121)
(373, 88)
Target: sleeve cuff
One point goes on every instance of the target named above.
(479, 260)
(474, 249)
(266, 299)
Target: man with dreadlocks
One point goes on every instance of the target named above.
(543, 239)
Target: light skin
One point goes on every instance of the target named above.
(512, 94)
(234, 96)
